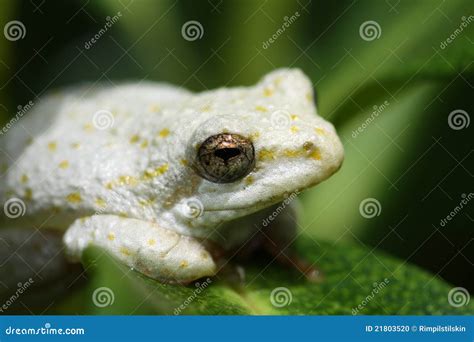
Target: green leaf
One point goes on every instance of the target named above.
(355, 278)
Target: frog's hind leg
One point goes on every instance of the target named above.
(147, 247)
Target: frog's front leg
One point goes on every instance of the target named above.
(152, 250)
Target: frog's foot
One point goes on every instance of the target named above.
(152, 250)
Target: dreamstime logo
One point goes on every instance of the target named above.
(110, 21)
(458, 119)
(280, 119)
(103, 119)
(14, 30)
(287, 22)
(22, 110)
(280, 297)
(377, 110)
(286, 202)
(103, 296)
(377, 288)
(21, 288)
(14, 208)
(458, 296)
(192, 30)
(370, 207)
(465, 21)
(200, 287)
(465, 199)
(193, 208)
(370, 30)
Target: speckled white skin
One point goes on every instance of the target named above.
(137, 172)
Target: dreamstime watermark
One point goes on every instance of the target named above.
(458, 119)
(370, 207)
(192, 30)
(465, 200)
(22, 110)
(14, 208)
(465, 21)
(458, 296)
(377, 110)
(47, 329)
(103, 119)
(14, 30)
(280, 119)
(103, 296)
(197, 291)
(266, 221)
(110, 21)
(280, 297)
(370, 30)
(377, 288)
(287, 22)
(192, 208)
(21, 288)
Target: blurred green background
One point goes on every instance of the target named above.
(408, 158)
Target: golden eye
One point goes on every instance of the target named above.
(225, 158)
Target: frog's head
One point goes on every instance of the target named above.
(254, 146)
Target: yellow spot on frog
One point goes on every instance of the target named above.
(100, 202)
(249, 180)
(74, 197)
(205, 108)
(127, 180)
(147, 202)
(149, 174)
(125, 251)
(75, 145)
(64, 164)
(292, 153)
(155, 108)
(293, 117)
(151, 242)
(265, 154)
(111, 236)
(88, 127)
(52, 146)
(319, 131)
(183, 264)
(294, 129)
(144, 144)
(261, 109)
(315, 154)
(134, 139)
(184, 162)
(164, 133)
(28, 194)
(24, 179)
(309, 97)
(267, 92)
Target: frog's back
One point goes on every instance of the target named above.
(75, 141)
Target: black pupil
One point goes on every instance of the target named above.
(227, 153)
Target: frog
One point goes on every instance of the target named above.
(171, 183)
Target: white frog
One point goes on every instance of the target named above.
(165, 179)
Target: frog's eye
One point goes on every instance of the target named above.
(225, 158)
